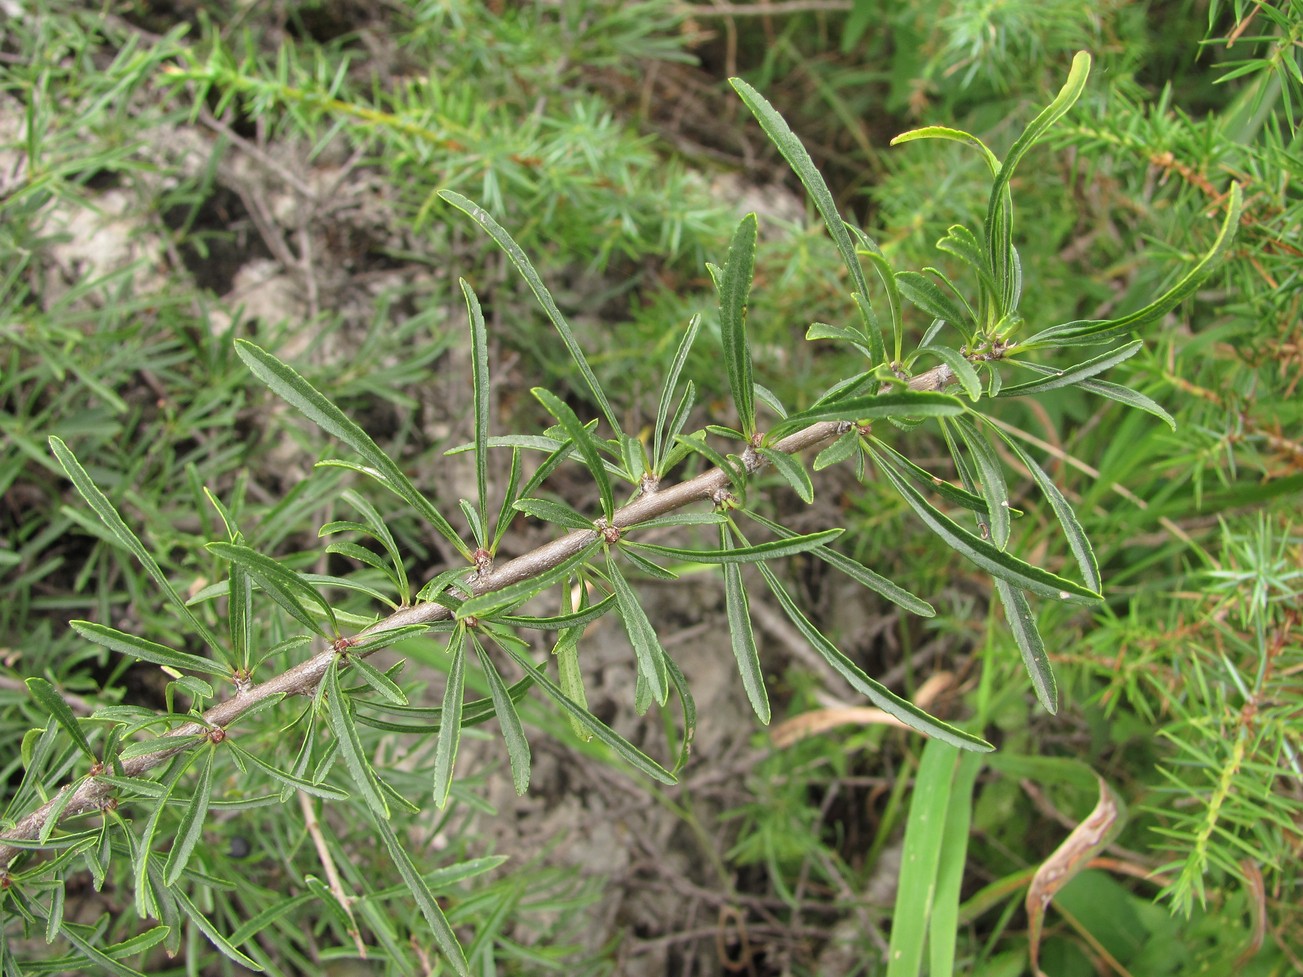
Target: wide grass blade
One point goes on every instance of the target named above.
(287, 384)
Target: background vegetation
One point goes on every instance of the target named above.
(177, 176)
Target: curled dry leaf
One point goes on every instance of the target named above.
(821, 720)
(1086, 840)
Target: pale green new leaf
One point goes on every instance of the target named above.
(287, 384)
(951, 135)
(513, 732)
(108, 514)
(734, 290)
(523, 265)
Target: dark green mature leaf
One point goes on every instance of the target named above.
(505, 512)
(513, 733)
(858, 572)
(646, 646)
(734, 291)
(1090, 331)
(480, 393)
(925, 294)
(886, 700)
(214, 936)
(959, 366)
(296, 391)
(49, 699)
(561, 622)
(350, 743)
(554, 512)
(803, 166)
(484, 605)
(603, 733)
(191, 830)
(108, 514)
(583, 440)
(731, 468)
(425, 901)
(288, 779)
(380, 683)
(738, 608)
(281, 584)
(991, 475)
(964, 245)
(1022, 622)
(660, 439)
(790, 467)
(774, 549)
(896, 403)
(523, 265)
(143, 650)
(1074, 374)
(948, 491)
(445, 750)
(986, 555)
(868, 247)
(102, 962)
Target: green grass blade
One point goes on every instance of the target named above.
(986, 555)
(646, 646)
(480, 392)
(513, 732)
(1022, 622)
(882, 697)
(49, 699)
(445, 750)
(350, 743)
(583, 440)
(738, 608)
(944, 929)
(287, 384)
(99, 502)
(803, 166)
(523, 265)
(281, 584)
(734, 290)
(191, 830)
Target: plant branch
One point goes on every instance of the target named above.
(92, 794)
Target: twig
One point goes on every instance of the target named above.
(91, 793)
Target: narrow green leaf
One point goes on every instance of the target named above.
(925, 294)
(986, 555)
(375, 526)
(505, 512)
(964, 245)
(480, 391)
(734, 291)
(732, 469)
(659, 434)
(367, 642)
(646, 646)
(380, 683)
(298, 783)
(281, 584)
(774, 549)
(844, 447)
(959, 366)
(868, 247)
(949, 492)
(143, 650)
(566, 652)
(425, 901)
(995, 490)
(214, 936)
(445, 751)
(858, 572)
(562, 622)
(98, 501)
(1074, 374)
(1063, 511)
(102, 962)
(49, 699)
(1022, 622)
(350, 743)
(652, 569)
(603, 733)
(583, 440)
(526, 269)
(484, 605)
(738, 608)
(296, 391)
(513, 733)
(689, 707)
(554, 512)
(897, 403)
(191, 830)
(951, 135)
(803, 166)
(793, 472)
(886, 700)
